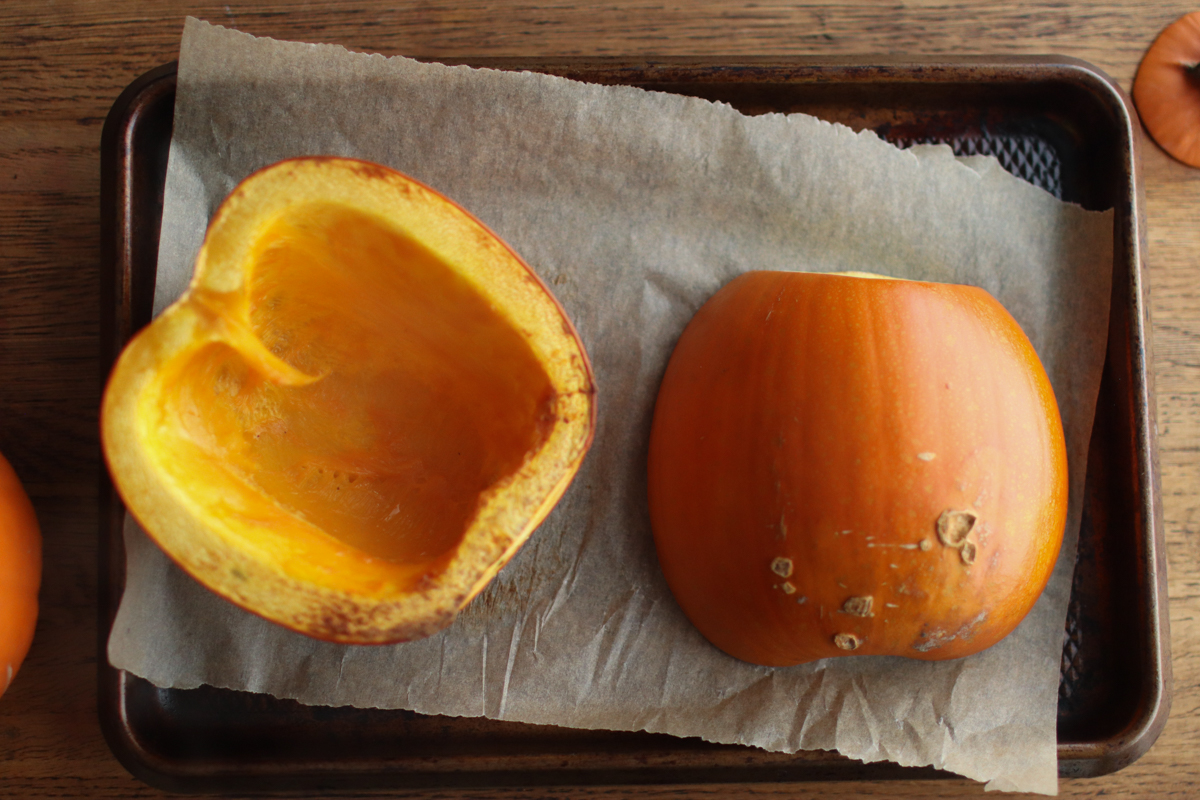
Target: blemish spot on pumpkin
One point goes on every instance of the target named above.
(927, 456)
(782, 566)
(931, 640)
(909, 591)
(801, 600)
(890, 605)
(926, 545)
(788, 588)
(939, 637)
(847, 641)
(953, 527)
(859, 606)
(967, 553)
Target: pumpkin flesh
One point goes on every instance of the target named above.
(353, 438)
(810, 433)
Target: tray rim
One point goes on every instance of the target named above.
(1076, 759)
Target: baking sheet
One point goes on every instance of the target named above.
(615, 358)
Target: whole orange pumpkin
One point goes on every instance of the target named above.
(843, 464)
(20, 573)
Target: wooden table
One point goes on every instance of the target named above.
(62, 63)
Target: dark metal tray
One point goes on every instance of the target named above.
(1057, 122)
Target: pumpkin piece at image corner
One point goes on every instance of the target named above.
(846, 464)
(20, 573)
(361, 407)
(1166, 89)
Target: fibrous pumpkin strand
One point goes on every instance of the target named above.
(229, 328)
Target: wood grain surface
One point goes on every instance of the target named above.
(63, 63)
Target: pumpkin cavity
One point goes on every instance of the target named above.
(428, 396)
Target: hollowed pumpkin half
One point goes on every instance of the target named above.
(843, 465)
(359, 410)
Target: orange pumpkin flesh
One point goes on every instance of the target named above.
(1166, 89)
(20, 573)
(850, 465)
(362, 406)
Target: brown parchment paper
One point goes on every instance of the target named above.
(634, 207)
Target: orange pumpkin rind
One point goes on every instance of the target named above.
(842, 465)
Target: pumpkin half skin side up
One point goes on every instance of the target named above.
(844, 465)
(361, 407)
(20, 573)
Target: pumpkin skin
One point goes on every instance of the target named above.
(844, 465)
(1166, 89)
(359, 410)
(20, 573)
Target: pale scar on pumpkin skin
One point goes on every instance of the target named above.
(859, 606)
(924, 544)
(954, 529)
(847, 641)
(782, 566)
(938, 637)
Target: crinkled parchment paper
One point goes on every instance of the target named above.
(634, 207)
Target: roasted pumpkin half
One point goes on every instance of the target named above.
(20, 573)
(846, 465)
(357, 412)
